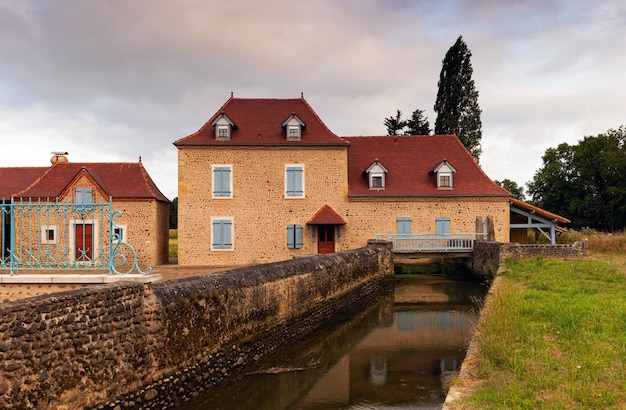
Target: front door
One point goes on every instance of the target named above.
(84, 242)
(325, 238)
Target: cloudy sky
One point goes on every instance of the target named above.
(115, 80)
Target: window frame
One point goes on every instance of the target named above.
(45, 230)
(441, 177)
(218, 169)
(297, 136)
(225, 136)
(121, 228)
(293, 193)
(222, 222)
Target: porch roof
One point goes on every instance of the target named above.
(326, 216)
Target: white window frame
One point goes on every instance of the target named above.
(440, 177)
(44, 234)
(298, 133)
(230, 181)
(218, 134)
(374, 176)
(232, 233)
(123, 229)
(287, 169)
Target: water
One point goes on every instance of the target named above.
(391, 356)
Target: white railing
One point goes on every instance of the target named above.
(425, 242)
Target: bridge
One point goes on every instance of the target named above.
(429, 243)
(407, 247)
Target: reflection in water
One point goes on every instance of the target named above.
(392, 355)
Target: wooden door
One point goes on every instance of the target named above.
(325, 238)
(84, 242)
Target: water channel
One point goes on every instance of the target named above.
(392, 355)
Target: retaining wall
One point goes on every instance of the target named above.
(144, 346)
(489, 257)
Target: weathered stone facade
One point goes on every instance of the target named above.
(258, 176)
(155, 345)
(260, 237)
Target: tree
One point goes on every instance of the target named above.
(395, 124)
(511, 186)
(174, 214)
(418, 124)
(585, 182)
(457, 99)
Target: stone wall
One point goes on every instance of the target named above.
(489, 257)
(146, 346)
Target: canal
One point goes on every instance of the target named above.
(393, 355)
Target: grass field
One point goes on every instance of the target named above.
(554, 336)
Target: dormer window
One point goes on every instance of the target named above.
(223, 126)
(376, 175)
(444, 173)
(293, 128)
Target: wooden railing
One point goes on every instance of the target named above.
(453, 242)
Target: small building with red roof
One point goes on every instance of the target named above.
(64, 222)
(265, 180)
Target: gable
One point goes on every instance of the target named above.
(410, 161)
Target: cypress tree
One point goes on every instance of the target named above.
(457, 99)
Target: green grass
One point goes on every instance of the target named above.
(555, 337)
(173, 243)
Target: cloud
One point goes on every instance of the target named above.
(118, 79)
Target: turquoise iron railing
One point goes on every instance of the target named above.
(48, 235)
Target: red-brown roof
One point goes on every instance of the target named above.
(538, 211)
(410, 160)
(259, 121)
(120, 180)
(13, 180)
(326, 216)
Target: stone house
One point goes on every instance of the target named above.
(61, 217)
(265, 180)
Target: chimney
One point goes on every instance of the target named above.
(59, 157)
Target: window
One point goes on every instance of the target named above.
(223, 132)
(83, 196)
(404, 225)
(294, 133)
(119, 233)
(376, 173)
(376, 181)
(444, 172)
(222, 181)
(294, 181)
(221, 233)
(293, 128)
(48, 235)
(442, 226)
(223, 125)
(445, 180)
(294, 236)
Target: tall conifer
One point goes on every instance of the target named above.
(457, 106)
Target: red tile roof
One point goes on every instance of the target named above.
(410, 160)
(259, 122)
(538, 211)
(120, 180)
(13, 180)
(326, 216)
